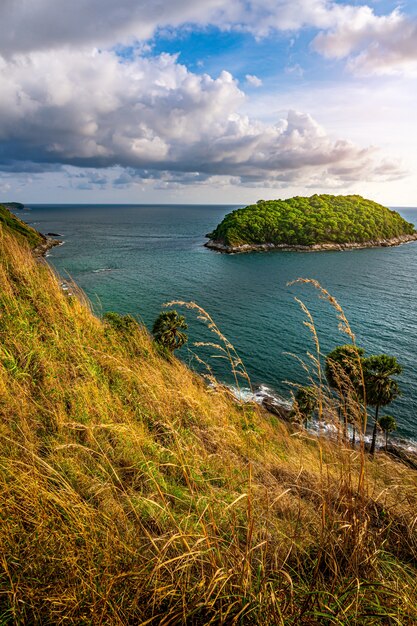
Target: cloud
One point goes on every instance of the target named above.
(4, 187)
(373, 44)
(87, 180)
(253, 81)
(45, 24)
(153, 115)
(295, 70)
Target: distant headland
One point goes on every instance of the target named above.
(319, 222)
(13, 205)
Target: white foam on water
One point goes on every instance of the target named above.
(258, 395)
(261, 392)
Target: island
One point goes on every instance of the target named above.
(318, 222)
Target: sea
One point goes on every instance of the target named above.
(135, 258)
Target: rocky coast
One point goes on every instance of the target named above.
(219, 246)
(46, 244)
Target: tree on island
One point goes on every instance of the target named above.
(343, 372)
(387, 424)
(381, 389)
(168, 330)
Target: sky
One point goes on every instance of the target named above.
(207, 101)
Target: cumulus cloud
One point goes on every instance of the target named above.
(27, 26)
(158, 119)
(45, 24)
(374, 44)
(64, 106)
(381, 43)
(253, 81)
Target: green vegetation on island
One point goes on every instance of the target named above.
(131, 492)
(302, 221)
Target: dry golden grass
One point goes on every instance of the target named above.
(131, 493)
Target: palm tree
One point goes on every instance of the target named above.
(343, 373)
(167, 330)
(381, 388)
(388, 424)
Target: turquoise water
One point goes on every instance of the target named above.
(132, 259)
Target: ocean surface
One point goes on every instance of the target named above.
(133, 259)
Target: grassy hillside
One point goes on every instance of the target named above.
(22, 231)
(308, 221)
(130, 493)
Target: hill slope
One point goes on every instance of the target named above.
(318, 221)
(130, 491)
(22, 231)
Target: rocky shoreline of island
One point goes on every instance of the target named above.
(219, 246)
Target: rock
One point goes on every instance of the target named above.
(272, 406)
(46, 245)
(318, 247)
(406, 457)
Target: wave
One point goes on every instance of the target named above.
(262, 392)
(258, 394)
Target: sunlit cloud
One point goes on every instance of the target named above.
(97, 111)
(85, 97)
(380, 43)
(253, 80)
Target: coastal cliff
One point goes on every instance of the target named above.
(24, 233)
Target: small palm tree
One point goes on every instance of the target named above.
(167, 330)
(388, 424)
(381, 388)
